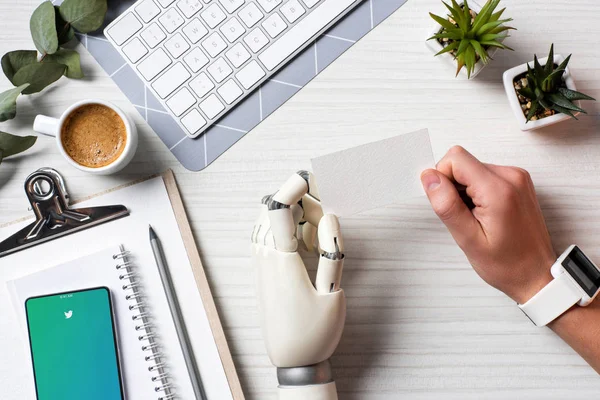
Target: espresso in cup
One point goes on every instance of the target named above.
(94, 135)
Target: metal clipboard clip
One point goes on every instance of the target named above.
(47, 194)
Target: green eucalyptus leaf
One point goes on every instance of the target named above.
(65, 31)
(39, 75)
(8, 102)
(70, 59)
(15, 60)
(13, 144)
(43, 29)
(84, 15)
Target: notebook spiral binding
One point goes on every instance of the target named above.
(144, 327)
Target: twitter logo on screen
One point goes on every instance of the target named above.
(69, 314)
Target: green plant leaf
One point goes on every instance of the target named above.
(563, 65)
(573, 94)
(38, 75)
(560, 100)
(453, 34)
(43, 29)
(491, 25)
(480, 51)
(563, 110)
(84, 15)
(442, 21)
(8, 102)
(450, 47)
(502, 28)
(534, 107)
(527, 92)
(496, 16)
(70, 59)
(13, 144)
(65, 31)
(550, 63)
(460, 62)
(464, 44)
(453, 13)
(470, 60)
(15, 60)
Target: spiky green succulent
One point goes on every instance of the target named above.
(546, 88)
(469, 38)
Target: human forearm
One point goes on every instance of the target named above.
(580, 328)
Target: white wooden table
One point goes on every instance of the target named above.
(421, 324)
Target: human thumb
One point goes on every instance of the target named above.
(449, 206)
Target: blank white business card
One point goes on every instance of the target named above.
(374, 174)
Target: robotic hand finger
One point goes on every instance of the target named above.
(302, 322)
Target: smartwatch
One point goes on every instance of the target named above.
(576, 281)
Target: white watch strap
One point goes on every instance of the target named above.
(552, 301)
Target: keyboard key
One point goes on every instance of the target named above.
(292, 10)
(212, 106)
(147, 10)
(310, 3)
(171, 20)
(189, 7)
(214, 44)
(177, 45)
(135, 50)
(237, 55)
(165, 3)
(196, 59)
(181, 101)
(256, 40)
(230, 91)
(153, 35)
(202, 85)
(269, 5)
(250, 74)
(125, 28)
(154, 64)
(251, 15)
(193, 121)
(168, 82)
(219, 70)
(213, 15)
(195, 30)
(303, 32)
(232, 29)
(231, 5)
(274, 25)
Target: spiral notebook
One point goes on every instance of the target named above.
(90, 258)
(139, 334)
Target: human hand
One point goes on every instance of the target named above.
(504, 236)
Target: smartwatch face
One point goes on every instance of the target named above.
(583, 271)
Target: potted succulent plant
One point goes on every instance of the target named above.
(469, 35)
(543, 94)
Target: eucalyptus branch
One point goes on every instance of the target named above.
(51, 28)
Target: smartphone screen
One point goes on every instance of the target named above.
(73, 346)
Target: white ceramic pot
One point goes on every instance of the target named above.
(508, 78)
(435, 46)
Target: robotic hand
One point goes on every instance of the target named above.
(302, 324)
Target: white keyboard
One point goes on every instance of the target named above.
(202, 57)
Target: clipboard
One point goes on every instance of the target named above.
(198, 272)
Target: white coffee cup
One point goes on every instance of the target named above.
(53, 127)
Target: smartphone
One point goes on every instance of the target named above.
(74, 346)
